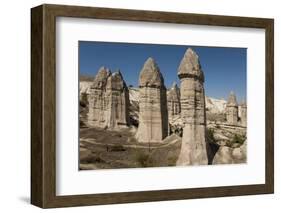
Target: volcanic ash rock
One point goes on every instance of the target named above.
(96, 99)
(153, 113)
(193, 149)
(173, 100)
(117, 101)
(232, 110)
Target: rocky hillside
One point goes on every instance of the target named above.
(226, 142)
(84, 87)
(214, 107)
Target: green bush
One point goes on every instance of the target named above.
(84, 99)
(143, 159)
(210, 136)
(238, 139)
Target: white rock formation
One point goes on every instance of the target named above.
(173, 101)
(117, 101)
(84, 87)
(232, 110)
(227, 155)
(108, 100)
(153, 114)
(214, 105)
(96, 99)
(193, 150)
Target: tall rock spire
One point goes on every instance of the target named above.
(108, 100)
(193, 149)
(232, 109)
(117, 101)
(96, 114)
(153, 114)
(173, 100)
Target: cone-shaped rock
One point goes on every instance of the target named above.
(190, 66)
(193, 149)
(153, 114)
(150, 75)
(96, 99)
(173, 100)
(117, 101)
(101, 78)
(232, 109)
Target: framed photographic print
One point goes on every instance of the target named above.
(137, 106)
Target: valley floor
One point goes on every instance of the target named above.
(112, 149)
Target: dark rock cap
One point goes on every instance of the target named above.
(150, 75)
(190, 66)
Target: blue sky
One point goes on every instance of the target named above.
(224, 68)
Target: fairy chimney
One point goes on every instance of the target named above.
(96, 99)
(193, 148)
(232, 109)
(117, 101)
(153, 113)
(173, 101)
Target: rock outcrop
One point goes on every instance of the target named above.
(84, 88)
(108, 100)
(193, 150)
(232, 110)
(153, 113)
(117, 101)
(173, 101)
(228, 155)
(243, 114)
(96, 98)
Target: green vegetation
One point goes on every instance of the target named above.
(172, 160)
(143, 159)
(215, 117)
(240, 139)
(210, 136)
(84, 100)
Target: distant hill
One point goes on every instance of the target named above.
(86, 78)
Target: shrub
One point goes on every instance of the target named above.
(143, 159)
(210, 136)
(238, 139)
(84, 99)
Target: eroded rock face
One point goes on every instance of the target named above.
(193, 150)
(232, 110)
(227, 155)
(153, 113)
(173, 101)
(108, 100)
(243, 114)
(117, 101)
(96, 116)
